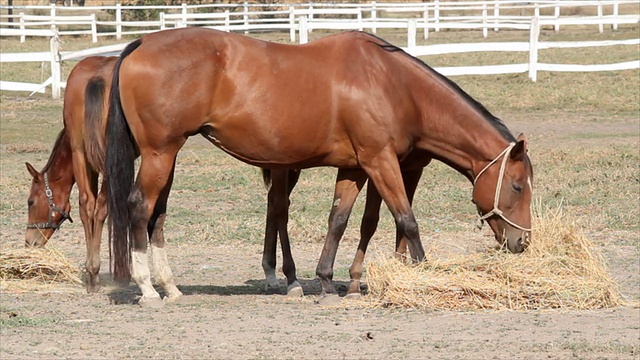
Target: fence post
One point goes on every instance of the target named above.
(374, 17)
(22, 27)
(94, 29)
(292, 23)
(485, 30)
(615, 15)
(53, 16)
(496, 13)
(245, 16)
(118, 21)
(425, 16)
(534, 35)
(436, 14)
(227, 20)
(359, 18)
(302, 29)
(55, 66)
(411, 36)
(536, 10)
(556, 14)
(600, 25)
(310, 16)
(183, 19)
(162, 21)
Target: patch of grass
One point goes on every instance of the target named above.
(13, 319)
(608, 348)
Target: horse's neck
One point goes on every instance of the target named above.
(466, 142)
(60, 168)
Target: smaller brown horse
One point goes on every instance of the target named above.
(77, 157)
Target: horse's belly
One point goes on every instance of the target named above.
(294, 148)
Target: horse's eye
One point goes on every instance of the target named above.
(30, 202)
(517, 188)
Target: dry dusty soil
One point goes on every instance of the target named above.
(225, 313)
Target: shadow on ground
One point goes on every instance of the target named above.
(130, 294)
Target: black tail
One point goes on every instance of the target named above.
(119, 173)
(93, 110)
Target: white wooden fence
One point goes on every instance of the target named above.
(434, 15)
(304, 20)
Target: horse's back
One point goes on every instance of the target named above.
(305, 101)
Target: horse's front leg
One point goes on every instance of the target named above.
(87, 181)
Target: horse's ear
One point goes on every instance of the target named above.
(520, 149)
(32, 171)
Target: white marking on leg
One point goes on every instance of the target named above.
(163, 272)
(272, 279)
(141, 275)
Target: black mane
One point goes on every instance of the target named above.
(60, 148)
(496, 122)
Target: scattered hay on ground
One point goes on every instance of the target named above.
(560, 269)
(42, 266)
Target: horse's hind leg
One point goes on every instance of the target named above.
(153, 182)
(282, 183)
(275, 206)
(349, 182)
(99, 217)
(368, 227)
(163, 273)
(294, 289)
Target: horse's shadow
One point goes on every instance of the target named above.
(130, 294)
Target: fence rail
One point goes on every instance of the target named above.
(434, 16)
(302, 20)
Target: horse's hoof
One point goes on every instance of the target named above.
(272, 290)
(172, 299)
(353, 296)
(152, 303)
(92, 289)
(295, 290)
(330, 300)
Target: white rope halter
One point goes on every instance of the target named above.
(503, 166)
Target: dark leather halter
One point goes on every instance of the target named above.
(52, 209)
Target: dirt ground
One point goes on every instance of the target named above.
(225, 313)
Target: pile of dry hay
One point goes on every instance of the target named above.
(559, 269)
(40, 265)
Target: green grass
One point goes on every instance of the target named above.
(11, 318)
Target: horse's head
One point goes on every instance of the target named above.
(47, 211)
(502, 194)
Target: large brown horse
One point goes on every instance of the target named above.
(350, 100)
(77, 157)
